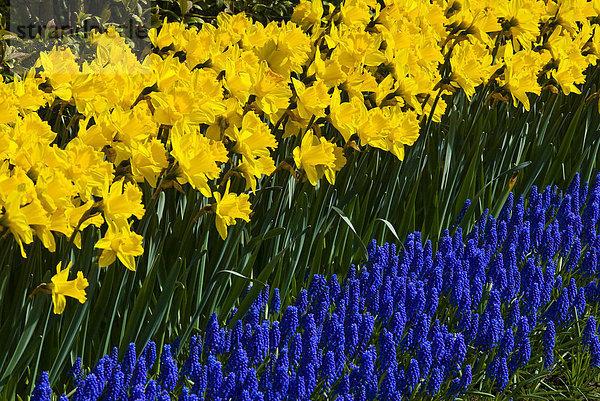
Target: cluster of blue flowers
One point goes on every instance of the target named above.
(415, 322)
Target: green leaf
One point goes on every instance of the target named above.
(390, 227)
(234, 273)
(349, 224)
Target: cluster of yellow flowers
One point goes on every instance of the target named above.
(214, 102)
(523, 46)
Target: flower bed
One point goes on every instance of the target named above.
(475, 316)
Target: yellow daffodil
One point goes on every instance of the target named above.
(197, 157)
(31, 149)
(39, 220)
(233, 27)
(317, 157)
(520, 75)
(226, 122)
(121, 200)
(375, 128)
(253, 139)
(471, 66)
(521, 20)
(120, 242)
(170, 34)
(288, 50)
(347, 116)
(9, 112)
(329, 70)
(386, 90)
(355, 12)
(133, 126)
(166, 71)
(359, 81)
(181, 104)
(404, 131)
(148, 161)
(229, 207)
(312, 100)
(60, 67)
(308, 13)
(86, 167)
(271, 90)
(566, 52)
(29, 97)
(202, 45)
(256, 169)
(61, 287)
(14, 218)
(54, 190)
(359, 48)
(82, 216)
(239, 66)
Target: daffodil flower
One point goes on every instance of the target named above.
(120, 242)
(254, 138)
(308, 13)
(121, 200)
(312, 100)
(61, 288)
(229, 207)
(317, 157)
(252, 171)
